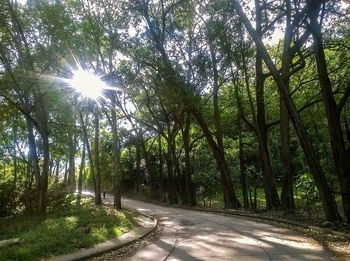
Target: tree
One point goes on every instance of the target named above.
(310, 154)
(340, 151)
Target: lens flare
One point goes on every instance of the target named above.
(88, 84)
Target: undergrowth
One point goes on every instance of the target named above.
(63, 230)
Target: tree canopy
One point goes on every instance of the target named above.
(186, 102)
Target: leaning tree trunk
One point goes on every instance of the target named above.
(230, 199)
(328, 202)
(33, 163)
(340, 153)
(222, 164)
(175, 80)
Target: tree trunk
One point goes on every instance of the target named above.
(271, 195)
(179, 179)
(52, 167)
(98, 199)
(230, 199)
(163, 181)
(240, 118)
(34, 166)
(44, 174)
(116, 170)
(243, 175)
(328, 202)
(65, 178)
(14, 151)
(217, 115)
(81, 171)
(217, 120)
(190, 193)
(340, 153)
(71, 173)
(171, 172)
(148, 171)
(28, 203)
(57, 170)
(138, 161)
(89, 152)
(287, 195)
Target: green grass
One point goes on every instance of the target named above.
(62, 231)
(216, 201)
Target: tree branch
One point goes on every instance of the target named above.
(344, 99)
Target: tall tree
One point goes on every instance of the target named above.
(96, 156)
(183, 92)
(340, 151)
(328, 201)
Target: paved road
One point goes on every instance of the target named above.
(193, 235)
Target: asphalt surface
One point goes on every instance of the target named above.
(194, 235)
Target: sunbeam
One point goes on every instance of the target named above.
(87, 84)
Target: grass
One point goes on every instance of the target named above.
(62, 231)
(316, 210)
(217, 201)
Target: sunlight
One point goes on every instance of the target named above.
(291, 243)
(88, 84)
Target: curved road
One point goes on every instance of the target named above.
(194, 235)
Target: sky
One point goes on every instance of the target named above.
(276, 36)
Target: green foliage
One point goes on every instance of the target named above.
(161, 56)
(307, 188)
(206, 176)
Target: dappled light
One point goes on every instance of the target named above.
(143, 210)
(191, 235)
(246, 241)
(238, 107)
(64, 230)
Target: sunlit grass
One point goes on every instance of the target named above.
(62, 231)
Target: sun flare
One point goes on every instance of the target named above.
(88, 84)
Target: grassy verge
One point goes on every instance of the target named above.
(62, 231)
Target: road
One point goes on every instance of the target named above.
(194, 235)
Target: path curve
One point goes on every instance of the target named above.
(193, 235)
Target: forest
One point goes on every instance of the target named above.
(227, 104)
